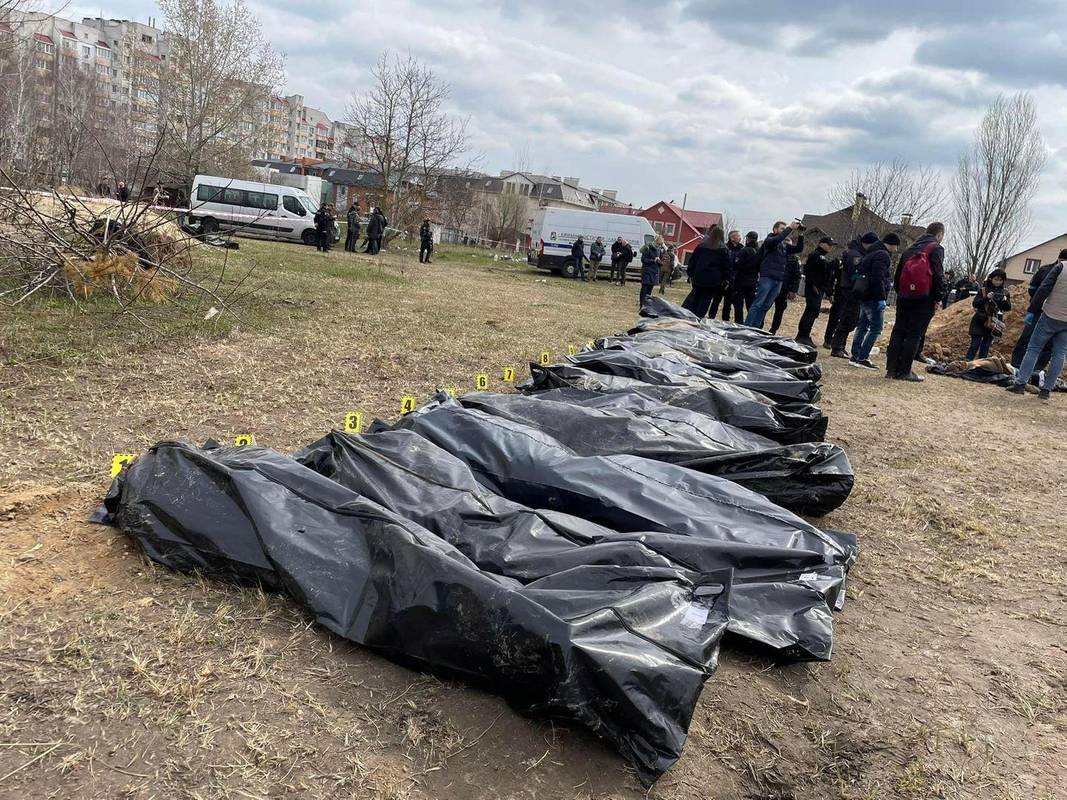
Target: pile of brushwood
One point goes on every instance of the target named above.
(581, 548)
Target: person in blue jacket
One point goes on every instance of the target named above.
(872, 289)
(788, 292)
(772, 270)
(650, 262)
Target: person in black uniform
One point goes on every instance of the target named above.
(817, 277)
(425, 242)
(352, 218)
(709, 265)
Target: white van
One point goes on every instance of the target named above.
(257, 209)
(555, 229)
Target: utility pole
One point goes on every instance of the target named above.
(678, 230)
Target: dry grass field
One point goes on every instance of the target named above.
(121, 680)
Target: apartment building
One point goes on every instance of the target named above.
(299, 131)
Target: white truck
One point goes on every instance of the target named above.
(554, 231)
(256, 209)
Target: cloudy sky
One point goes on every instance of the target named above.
(752, 108)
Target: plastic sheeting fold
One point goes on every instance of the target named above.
(791, 573)
(809, 478)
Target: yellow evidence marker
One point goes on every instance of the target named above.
(408, 403)
(120, 461)
(354, 422)
(244, 440)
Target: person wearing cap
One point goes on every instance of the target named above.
(817, 276)
(849, 314)
(914, 311)
(872, 288)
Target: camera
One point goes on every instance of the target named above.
(800, 228)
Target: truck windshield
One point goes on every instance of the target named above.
(308, 203)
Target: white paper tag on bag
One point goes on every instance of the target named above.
(809, 576)
(695, 617)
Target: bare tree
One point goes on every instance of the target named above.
(406, 130)
(996, 181)
(506, 216)
(213, 89)
(894, 189)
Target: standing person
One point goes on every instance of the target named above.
(872, 288)
(425, 242)
(596, 255)
(375, 230)
(919, 281)
(708, 266)
(320, 229)
(1019, 351)
(724, 293)
(122, 194)
(1049, 308)
(788, 292)
(849, 315)
(666, 268)
(745, 276)
(965, 287)
(102, 188)
(621, 256)
(988, 320)
(818, 276)
(578, 254)
(352, 236)
(772, 268)
(650, 264)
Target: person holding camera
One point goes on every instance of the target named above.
(788, 292)
(773, 266)
(621, 256)
(988, 320)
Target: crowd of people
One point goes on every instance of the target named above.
(747, 279)
(325, 222)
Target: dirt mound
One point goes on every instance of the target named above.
(948, 338)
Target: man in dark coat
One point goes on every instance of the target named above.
(818, 276)
(323, 228)
(872, 289)
(122, 194)
(914, 311)
(772, 270)
(790, 285)
(650, 261)
(352, 218)
(375, 231)
(708, 267)
(621, 256)
(596, 255)
(849, 313)
(745, 276)
(578, 254)
(425, 242)
(725, 292)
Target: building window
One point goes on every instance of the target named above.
(668, 228)
(87, 51)
(1032, 265)
(104, 53)
(657, 226)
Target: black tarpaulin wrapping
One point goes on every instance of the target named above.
(809, 478)
(786, 423)
(718, 353)
(788, 574)
(661, 314)
(625, 650)
(662, 365)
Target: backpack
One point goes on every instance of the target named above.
(917, 276)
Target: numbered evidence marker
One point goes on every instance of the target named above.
(509, 374)
(120, 461)
(354, 422)
(408, 403)
(244, 440)
(546, 358)
(481, 381)
(572, 350)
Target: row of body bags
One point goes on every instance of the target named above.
(581, 549)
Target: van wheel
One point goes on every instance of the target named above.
(568, 269)
(310, 237)
(209, 225)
